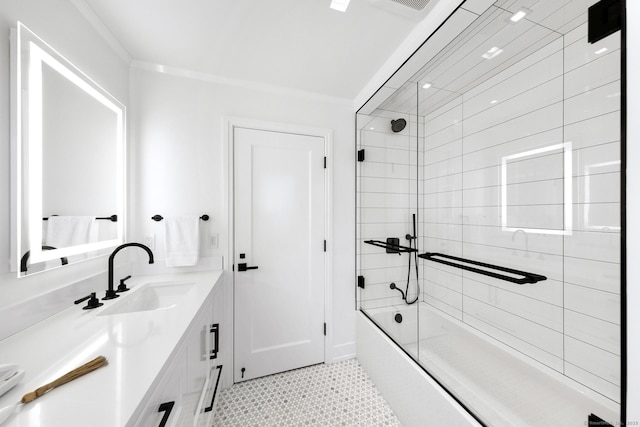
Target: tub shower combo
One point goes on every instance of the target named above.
(490, 211)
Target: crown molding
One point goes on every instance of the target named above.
(87, 12)
(245, 84)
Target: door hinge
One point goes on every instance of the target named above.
(325, 162)
(361, 282)
(325, 246)
(325, 329)
(361, 155)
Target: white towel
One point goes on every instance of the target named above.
(181, 240)
(66, 231)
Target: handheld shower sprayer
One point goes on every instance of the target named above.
(405, 293)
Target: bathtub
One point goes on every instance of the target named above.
(432, 368)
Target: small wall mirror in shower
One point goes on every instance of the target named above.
(68, 140)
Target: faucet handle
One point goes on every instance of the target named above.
(122, 287)
(92, 303)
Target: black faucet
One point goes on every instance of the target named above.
(111, 293)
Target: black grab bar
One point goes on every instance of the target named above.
(526, 277)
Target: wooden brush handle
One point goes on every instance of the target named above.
(69, 376)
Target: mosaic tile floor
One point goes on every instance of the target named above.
(339, 394)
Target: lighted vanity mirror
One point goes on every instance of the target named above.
(69, 160)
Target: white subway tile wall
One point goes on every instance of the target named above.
(562, 94)
(386, 199)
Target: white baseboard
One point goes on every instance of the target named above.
(341, 352)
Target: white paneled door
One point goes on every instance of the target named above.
(279, 271)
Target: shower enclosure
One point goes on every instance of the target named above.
(489, 227)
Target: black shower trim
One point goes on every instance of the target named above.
(623, 218)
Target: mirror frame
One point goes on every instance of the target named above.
(29, 147)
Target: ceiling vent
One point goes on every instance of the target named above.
(413, 4)
(414, 10)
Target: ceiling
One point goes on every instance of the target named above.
(296, 44)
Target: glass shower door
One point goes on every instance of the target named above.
(516, 189)
(521, 307)
(387, 221)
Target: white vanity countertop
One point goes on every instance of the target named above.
(136, 345)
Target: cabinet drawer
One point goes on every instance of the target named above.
(166, 402)
(208, 400)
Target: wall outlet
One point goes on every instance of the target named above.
(150, 241)
(213, 241)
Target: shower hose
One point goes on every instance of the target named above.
(405, 293)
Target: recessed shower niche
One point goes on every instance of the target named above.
(492, 221)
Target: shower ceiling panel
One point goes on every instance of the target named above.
(461, 66)
(404, 101)
(558, 15)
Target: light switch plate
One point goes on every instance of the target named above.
(213, 241)
(150, 241)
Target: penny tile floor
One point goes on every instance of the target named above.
(339, 394)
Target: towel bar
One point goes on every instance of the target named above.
(157, 218)
(112, 218)
(525, 277)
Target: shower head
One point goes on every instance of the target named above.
(398, 125)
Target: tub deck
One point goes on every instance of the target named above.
(502, 386)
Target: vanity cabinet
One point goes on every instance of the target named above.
(203, 362)
(185, 395)
(161, 366)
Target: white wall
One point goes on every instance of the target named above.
(60, 24)
(181, 162)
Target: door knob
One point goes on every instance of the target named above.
(243, 267)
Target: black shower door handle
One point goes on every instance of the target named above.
(243, 267)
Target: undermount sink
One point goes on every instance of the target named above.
(151, 296)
